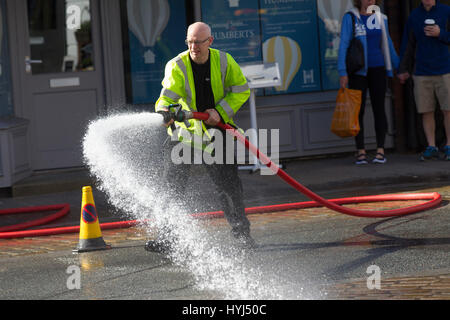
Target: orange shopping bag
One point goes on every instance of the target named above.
(345, 117)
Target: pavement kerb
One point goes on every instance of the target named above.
(74, 184)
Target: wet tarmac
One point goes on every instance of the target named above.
(308, 254)
(316, 253)
(330, 177)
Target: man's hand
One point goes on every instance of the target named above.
(432, 31)
(214, 117)
(343, 81)
(167, 124)
(403, 77)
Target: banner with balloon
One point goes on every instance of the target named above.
(147, 20)
(156, 35)
(289, 34)
(330, 13)
(287, 53)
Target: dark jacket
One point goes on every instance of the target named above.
(431, 55)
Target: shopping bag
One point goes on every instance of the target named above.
(345, 121)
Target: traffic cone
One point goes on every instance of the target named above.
(90, 233)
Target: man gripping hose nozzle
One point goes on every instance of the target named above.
(203, 79)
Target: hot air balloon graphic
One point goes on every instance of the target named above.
(147, 19)
(287, 53)
(331, 13)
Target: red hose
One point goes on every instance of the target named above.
(63, 230)
(218, 214)
(63, 210)
(333, 204)
(435, 198)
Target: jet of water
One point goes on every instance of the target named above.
(123, 152)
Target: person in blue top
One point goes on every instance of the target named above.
(380, 61)
(425, 43)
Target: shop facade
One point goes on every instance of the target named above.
(67, 62)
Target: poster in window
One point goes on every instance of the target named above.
(235, 27)
(330, 17)
(157, 30)
(289, 36)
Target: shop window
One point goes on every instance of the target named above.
(330, 14)
(289, 37)
(60, 36)
(302, 36)
(6, 106)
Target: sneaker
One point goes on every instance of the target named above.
(157, 247)
(447, 153)
(246, 242)
(379, 158)
(430, 153)
(361, 159)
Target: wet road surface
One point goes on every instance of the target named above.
(310, 254)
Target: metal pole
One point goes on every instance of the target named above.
(254, 133)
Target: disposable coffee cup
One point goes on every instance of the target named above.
(430, 22)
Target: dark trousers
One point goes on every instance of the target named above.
(375, 82)
(224, 176)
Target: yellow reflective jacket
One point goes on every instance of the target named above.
(229, 86)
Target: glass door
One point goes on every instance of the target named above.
(62, 79)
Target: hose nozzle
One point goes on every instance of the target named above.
(176, 113)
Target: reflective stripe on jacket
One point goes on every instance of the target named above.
(229, 86)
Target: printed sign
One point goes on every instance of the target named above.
(89, 214)
(289, 35)
(157, 30)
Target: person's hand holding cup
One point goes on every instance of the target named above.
(431, 28)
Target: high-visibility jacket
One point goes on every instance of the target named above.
(229, 87)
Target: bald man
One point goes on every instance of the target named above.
(206, 80)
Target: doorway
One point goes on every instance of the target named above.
(58, 65)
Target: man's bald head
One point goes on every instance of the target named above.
(198, 40)
(199, 28)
